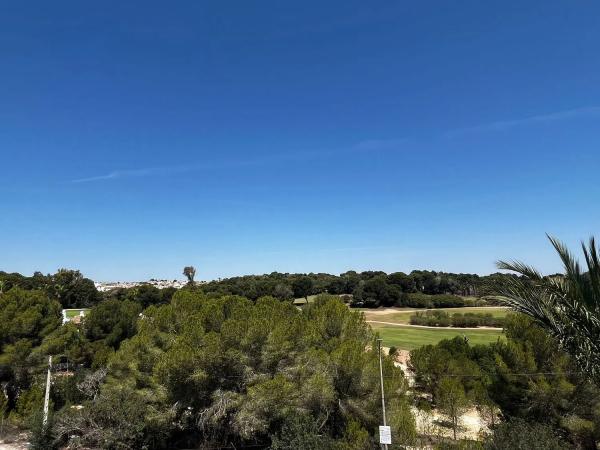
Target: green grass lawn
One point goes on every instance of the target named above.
(302, 300)
(75, 312)
(404, 316)
(406, 338)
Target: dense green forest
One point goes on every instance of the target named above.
(368, 289)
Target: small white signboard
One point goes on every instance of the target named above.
(385, 435)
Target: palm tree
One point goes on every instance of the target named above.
(190, 273)
(566, 306)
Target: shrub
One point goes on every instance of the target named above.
(346, 298)
(301, 432)
(459, 320)
(447, 301)
(431, 319)
(41, 437)
(419, 300)
(520, 434)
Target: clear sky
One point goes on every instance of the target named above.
(258, 136)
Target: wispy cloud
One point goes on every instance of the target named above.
(281, 158)
(380, 144)
(367, 145)
(173, 170)
(168, 170)
(97, 178)
(143, 172)
(503, 125)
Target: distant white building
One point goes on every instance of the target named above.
(160, 284)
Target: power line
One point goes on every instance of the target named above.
(467, 375)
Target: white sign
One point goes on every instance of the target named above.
(385, 435)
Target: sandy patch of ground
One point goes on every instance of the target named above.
(402, 359)
(433, 423)
(14, 442)
(384, 311)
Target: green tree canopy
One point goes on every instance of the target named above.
(112, 321)
(72, 289)
(29, 315)
(229, 371)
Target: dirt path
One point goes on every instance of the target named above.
(408, 325)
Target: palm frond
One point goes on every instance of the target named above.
(571, 265)
(566, 306)
(593, 265)
(578, 282)
(520, 268)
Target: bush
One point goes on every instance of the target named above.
(581, 429)
(29, 402)
(431, 319)
(447, 301)
(459, 320)
(301, 432)
(476, 302)
(346, 298)
(516, 434)
(119, 418)
(41, 437)
(472, 320)
(418, 300)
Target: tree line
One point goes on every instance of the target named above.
(368, 289)
(69, 287)
(72, 290)
(419, 288)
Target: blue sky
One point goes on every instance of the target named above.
(249, 137)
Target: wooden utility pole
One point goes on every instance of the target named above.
(47, 396)
(385, 446)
